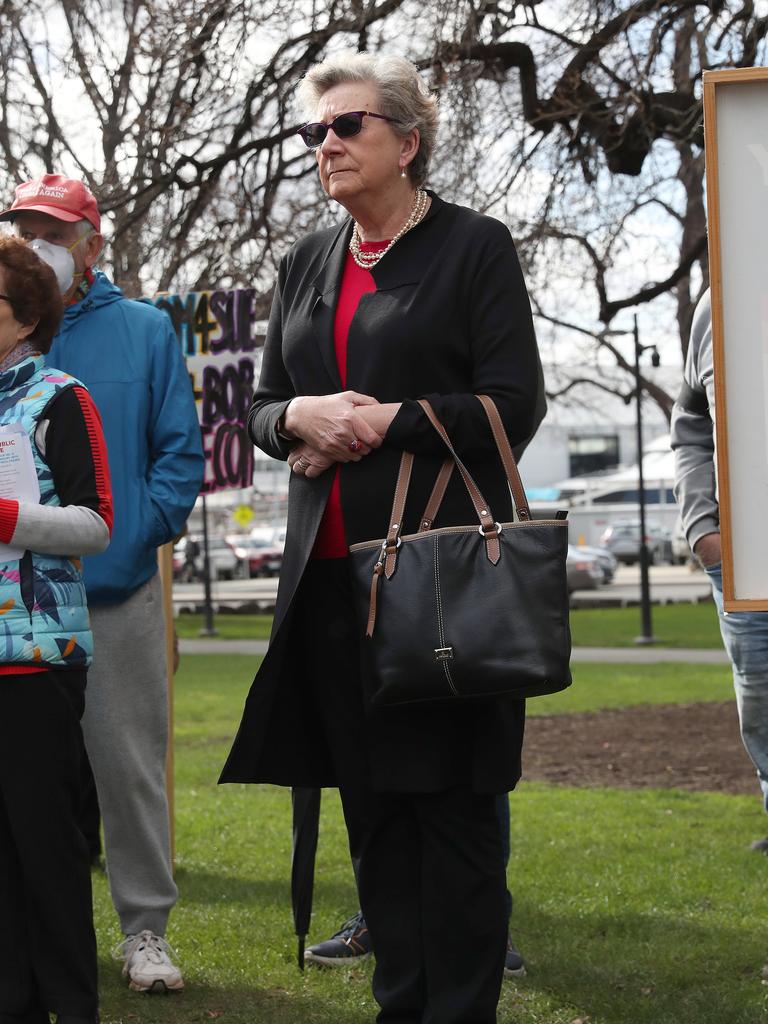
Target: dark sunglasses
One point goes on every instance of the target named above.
(344, 125)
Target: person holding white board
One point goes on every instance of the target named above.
(745, 634)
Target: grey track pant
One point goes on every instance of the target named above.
(126, 733)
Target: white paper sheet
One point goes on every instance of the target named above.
(742, 159)
(18, 477)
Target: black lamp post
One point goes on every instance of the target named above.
(208, 629)
(646, 637)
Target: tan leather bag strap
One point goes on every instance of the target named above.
(387, 560)
(437, 495)
(507, 458)
(392, 542)
(378, 569)
(487, 525)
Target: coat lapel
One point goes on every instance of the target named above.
(327, 285)
(404, 264)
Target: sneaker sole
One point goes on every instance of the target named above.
(519, 972)
(158, 987)
(333, 961)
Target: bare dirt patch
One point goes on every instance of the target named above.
(681, 746)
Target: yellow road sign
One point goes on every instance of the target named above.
(243, 514)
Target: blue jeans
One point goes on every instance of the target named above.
(745, 636)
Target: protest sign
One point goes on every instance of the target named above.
(220, 340)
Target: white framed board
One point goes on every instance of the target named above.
(736, 142)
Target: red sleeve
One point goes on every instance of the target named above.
(76, 453)
(9, 515)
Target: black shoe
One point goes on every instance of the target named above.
(350, 944)
(759, 846)
(514, 965)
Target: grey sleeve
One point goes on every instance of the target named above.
(692, 433)
(71, 530)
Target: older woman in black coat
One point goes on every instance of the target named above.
(409, 297)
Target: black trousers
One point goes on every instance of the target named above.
(502, 813)
(47, 941)
(431, 864)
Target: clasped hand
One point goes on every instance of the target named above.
(326, 425)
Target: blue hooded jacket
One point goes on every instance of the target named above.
(127, 355)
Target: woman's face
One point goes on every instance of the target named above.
(368, 164)
(11, 331)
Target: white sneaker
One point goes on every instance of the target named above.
(147, 963)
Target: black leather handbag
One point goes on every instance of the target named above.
(464, 612)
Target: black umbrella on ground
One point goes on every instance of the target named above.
(306, 821)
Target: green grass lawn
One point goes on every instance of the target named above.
(597, 686)
(630, 907)
(674, 625)
(229, 626)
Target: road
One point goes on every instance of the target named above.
(669, 584)
(607, 655)
(227, 594)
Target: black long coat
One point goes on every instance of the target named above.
(450, 319)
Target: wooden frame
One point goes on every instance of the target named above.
(165, 565)
(736, 146)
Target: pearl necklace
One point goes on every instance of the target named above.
(366, 260)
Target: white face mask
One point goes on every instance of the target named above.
(58, 259)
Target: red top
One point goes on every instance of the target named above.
(331, 541)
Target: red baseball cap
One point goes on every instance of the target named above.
(64, 198)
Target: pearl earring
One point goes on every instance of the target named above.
(402, 173)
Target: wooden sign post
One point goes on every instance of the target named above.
(165, 563)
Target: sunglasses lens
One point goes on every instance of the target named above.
(313, 134)
(347, 125)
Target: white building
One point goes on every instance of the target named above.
(592, 431)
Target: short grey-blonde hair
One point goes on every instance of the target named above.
(402, 96)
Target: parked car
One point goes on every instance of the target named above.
(260, 555)
(583, 570)
(224, 562)
(606, 559)
(622, 538)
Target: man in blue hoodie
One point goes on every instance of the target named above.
(127, 354)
